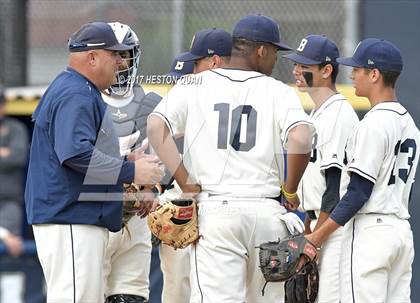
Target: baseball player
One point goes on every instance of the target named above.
(75, 176)
(210, 48)
(382, 157)
(323, 183)
(128, 254)
(234, 126)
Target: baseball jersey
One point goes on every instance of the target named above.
(335, 121)
(385, 150)
(235, 123)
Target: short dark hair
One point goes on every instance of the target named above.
(389, 77)
(243, 48)
(225, 59)
(334, 73)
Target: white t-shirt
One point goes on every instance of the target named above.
(235, 125)
(335, 121)
(385, 150)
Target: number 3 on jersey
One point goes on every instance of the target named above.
(405, 147)
(237, 140)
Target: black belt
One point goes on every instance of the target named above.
(311, 214)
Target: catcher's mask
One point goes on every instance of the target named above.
(127, 73)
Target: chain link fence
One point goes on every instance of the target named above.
(165, 27)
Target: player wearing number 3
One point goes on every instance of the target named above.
(235, 124)
(382, 156)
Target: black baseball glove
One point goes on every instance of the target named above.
(279, 261)
(302, 287)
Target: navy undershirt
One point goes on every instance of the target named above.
(358, 192)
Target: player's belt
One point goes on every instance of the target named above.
(311, 214)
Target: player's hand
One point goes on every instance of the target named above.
(293, 223)
(148, 171)
(307, 225)
(14, 244)
(305, 259)
(146, 202)
(190, 191)
(313, 239)
(290, 204)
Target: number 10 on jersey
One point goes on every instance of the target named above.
(243, 118)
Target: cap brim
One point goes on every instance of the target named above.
(188, 56)
(348, 61)
(301, 59)
(282, 46)
(175, 74)
(119, 47)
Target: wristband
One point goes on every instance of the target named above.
(287, 195)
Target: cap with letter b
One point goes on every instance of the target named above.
(180, 68)
(375, 53)
(259, 28)
(314, 50)
(209, 42)
(95, 35)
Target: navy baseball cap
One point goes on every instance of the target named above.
(180, 68)
(209, 42)
(315, 49)
(95, 35)
(259, 28)
(375, 53)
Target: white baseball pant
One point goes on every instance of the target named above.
(376, 259)
(72, 259)
(127, 260)
(225, 261)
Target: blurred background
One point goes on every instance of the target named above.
(33, 50)
(165, 28)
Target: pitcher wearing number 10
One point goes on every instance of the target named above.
(382, 158)
(235, 124)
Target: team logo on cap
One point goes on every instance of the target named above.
(370, 62)
(302, 45)
(179, 65)
(210, 51)
(327, 59)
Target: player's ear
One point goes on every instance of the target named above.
(327, 71)
(216, 61)
(375, 74)
(261, 51)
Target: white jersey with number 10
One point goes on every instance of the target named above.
(234, 135)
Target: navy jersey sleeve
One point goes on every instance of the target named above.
(358, 192)
(75, 125)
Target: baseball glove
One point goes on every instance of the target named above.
(279, 260)
(303, 286)
(175, 223)
(131, 201)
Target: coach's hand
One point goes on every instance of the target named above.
(148, 171)
(138, 153)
